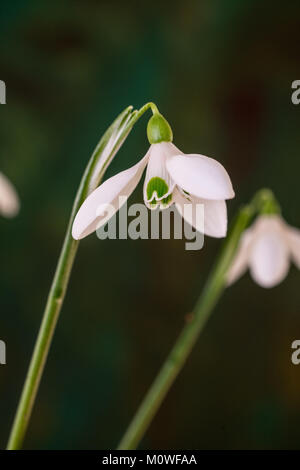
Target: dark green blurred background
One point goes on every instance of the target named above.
(221, 72)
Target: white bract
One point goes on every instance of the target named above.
(267, 248)
(9, 201)
(171, 177)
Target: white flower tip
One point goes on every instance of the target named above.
(221, 234)
(268, 283)
(216, 230)
(13, 210)
(9, 200)
(10, 208)
(80, 225)
(83, 224)
(231, 192)
(75, 232)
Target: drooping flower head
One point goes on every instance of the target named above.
(171, 177)
(267, 249)
(9, 200)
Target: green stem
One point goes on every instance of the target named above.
(215, 286)
(103, 154)
(143, 109)
(41, 349)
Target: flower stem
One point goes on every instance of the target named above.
(215, 286)
(40, 353)
(103, 154)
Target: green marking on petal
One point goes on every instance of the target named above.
(186, 194)
(163, 203)
(166, 201)
(156, 185)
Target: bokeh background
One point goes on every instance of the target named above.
(221, 72)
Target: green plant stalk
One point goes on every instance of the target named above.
(176, 359)
(113, 138)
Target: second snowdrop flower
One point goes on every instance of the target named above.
(171, 177)
(266, 248)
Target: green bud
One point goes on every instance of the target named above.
(159, 130)
(270, 208)
(266, 202)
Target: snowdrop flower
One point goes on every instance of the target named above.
(171, 177)
(267, 249)
(9, 201)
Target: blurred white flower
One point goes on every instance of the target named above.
(267, 248)
(9, 200)
(171, 177)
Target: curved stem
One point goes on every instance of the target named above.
(102, 156)
(143, 109)
(175, 361)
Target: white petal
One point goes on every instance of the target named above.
(9, 201)
(157, 173)
(201, 176)
(269, 223)
(269, 259)
(294, 243)
(240, 261)
(170, 149)
(215, 217)
(123, 184)
(215, 214)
